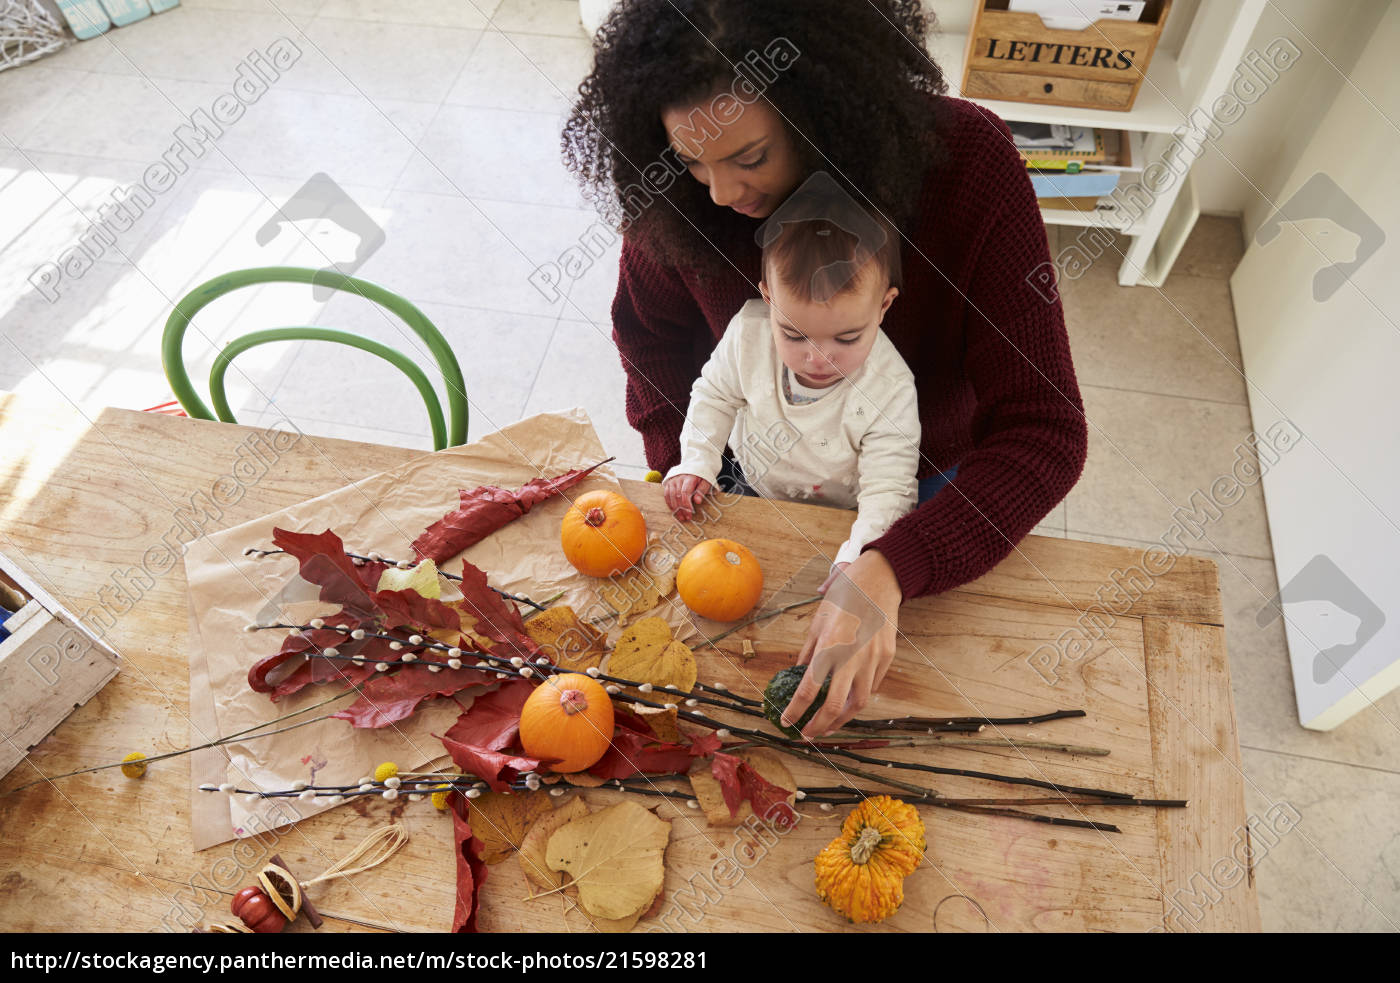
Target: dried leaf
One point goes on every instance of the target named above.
(477, 741)
(410, 609)
(662, 723)
(646, 653)
(632, 754)
(532, 848)
(485, 509)
(391, 697)
(741, 783)
(493, 720)
(322, 561)
(566, 641)
(422, 578)
(637, 590)
(615, 857)
(711, 796)
(471, 870)
(495, 618)
(501, 821)
(582, 779)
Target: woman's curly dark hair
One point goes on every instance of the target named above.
(862, 86)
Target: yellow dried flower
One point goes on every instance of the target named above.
(134, 770)
(654, 477)
(440, 798)
(385, 771)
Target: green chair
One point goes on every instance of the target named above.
(172, 345)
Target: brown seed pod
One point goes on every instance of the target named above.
(282, 888)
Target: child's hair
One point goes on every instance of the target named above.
(818, 260)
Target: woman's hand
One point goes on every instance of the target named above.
(836, 569)
(683, 492)
(852, 640)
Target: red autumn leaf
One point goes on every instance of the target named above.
(493, 720)
(496, 618)
(631, 721)
(706, 744)
(496, 768)
(391, 697)
(293, 646)
(471, 871)
(739, 780)
(632, 754)
(323, 562)
(408, 608)
(485, 509)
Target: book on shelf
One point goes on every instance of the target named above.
(1070, 148)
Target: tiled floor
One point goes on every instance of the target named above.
(443, 127)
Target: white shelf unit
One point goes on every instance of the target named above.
(1190, 70)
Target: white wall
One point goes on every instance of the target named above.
(1324, 355)
(1247, 168)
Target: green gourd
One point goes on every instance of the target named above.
(779, 694)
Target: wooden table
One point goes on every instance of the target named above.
(82, 499)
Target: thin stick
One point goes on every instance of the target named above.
(761, 617)
(919, 723)
(197, 747)
(838, 740)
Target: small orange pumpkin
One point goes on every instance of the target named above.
(570, 718)
(603, 534)
(720, 579)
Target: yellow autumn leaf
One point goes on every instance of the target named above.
(647, 653)
(423, 578)
(566, 640)
(532, 848)
(500, 821)
(615, 857)
(639, 589)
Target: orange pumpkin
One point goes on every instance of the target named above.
(603, 534)
(567, 717)
(720, 579)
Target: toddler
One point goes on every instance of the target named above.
(810, 394)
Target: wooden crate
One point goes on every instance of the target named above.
(1013, 56)
(49, 666)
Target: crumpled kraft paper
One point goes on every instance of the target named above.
(384, 512)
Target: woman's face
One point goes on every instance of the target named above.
(748, 162)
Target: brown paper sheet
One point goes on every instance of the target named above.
(384, 512)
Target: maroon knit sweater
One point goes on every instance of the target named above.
(997, 392)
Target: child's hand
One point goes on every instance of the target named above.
(836, 569)
(683, 492)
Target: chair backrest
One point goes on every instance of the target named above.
(172, 345)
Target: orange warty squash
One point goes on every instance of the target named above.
(603, 534)
(719, 579)
(567, 717)
(861, 873)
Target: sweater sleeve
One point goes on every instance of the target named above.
(715, 401)
(655, 323)
(1029, 433)
(888, 463)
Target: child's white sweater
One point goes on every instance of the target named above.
(856, 447)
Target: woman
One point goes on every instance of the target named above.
(699, 119)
